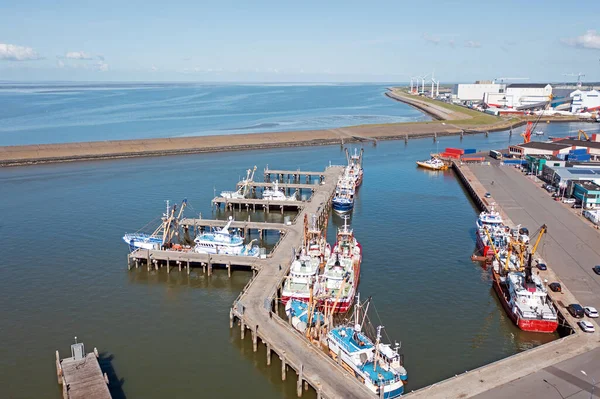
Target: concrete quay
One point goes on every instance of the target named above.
(561, 360)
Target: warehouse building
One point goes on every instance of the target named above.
(475, 92)
(519, 95)
(585, 101)
(588, 193)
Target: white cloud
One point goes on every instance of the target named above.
(78, 55)
(590, 40)
(101, 66)
(153, 68)
(472, 44)
(431, 39)
(12, 52)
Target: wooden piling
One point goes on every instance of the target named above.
(128, 261)
(209, 266)
(242, 329)
(168, 267)
(299, 382)
(58, 369)
(255, 339)
(231, 318)
(188, 267)
(229, 269)
(283, 367)
(268, 354)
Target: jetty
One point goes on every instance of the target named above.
(80, 375)
(256, 309)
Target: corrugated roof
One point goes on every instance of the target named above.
(580, 143)
(528, 85)
(544, 146)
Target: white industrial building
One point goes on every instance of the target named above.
(474, 91)
(585, 101)
(518, 95)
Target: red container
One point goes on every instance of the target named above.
(455, 150)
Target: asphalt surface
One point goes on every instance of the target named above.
(562, 380)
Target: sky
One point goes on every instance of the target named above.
(301, 41)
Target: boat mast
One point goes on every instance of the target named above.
(377, 347)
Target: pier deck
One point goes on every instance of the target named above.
(293, 172)
(82, 378)
(261, 204)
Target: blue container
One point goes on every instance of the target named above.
(515, 162)
(578, 151)
(470, 151)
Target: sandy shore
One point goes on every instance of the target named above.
(66, 152)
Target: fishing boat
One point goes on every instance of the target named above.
(375, 364)
(339, 281)
(275, 194)
(307, 264)
(523, 294)
(300, 315)
(162, 235)
(491, 230)
(354, 170)
(244, 189)
(434, 163)
(221, 241)
(343, 199)
(538, 133)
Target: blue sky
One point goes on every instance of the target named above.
(297, 41)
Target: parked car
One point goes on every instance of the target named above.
(591, 312)
(586, 326)
(488, 195)
(542, 266)
(596, 269)
(555, 287)
(576, 206)
(569, 200)
(576, 310)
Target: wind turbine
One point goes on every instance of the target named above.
(433, 86)
(423, 83)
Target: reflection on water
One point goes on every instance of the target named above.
(64, 271)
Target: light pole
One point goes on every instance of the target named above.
(593, 383)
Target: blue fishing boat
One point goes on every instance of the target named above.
(163, 233)
(299, 313)
(343, 200)
(377, 365)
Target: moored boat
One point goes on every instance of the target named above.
(433, 164)
(244, 189)
(354, 170)
(491, 231)
(339, 281)
(375, 364)
(275, 194)
(343, 199)
(305, 268)
(301, 316)
(221, 241)
(163, 234)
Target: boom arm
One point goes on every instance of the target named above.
(543, 229)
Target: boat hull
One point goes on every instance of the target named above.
(530, 325)
(431, 167)
(342, 207)
(484, 249)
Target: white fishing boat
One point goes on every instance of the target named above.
(433, 164)
(162, 235)
(305, 268)
(375, 364)
(354, 170)
(339, 281)
(538, 133)
(276, 194)
(221, 241)
(244, 189)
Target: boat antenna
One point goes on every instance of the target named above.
(357, 313)
(377, 347)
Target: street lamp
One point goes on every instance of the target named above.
(593, 383)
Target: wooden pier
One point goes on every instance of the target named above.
(262, 204)
(256, 308)
(298, 186)
(291, 175)
(80, 375)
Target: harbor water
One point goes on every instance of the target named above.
(64, 271)
(70, 112)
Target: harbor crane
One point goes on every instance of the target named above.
(579, 76)
(584, 134)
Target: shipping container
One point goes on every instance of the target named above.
(469, 151)
(515, 162)
(455, 150)
(473, 159)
